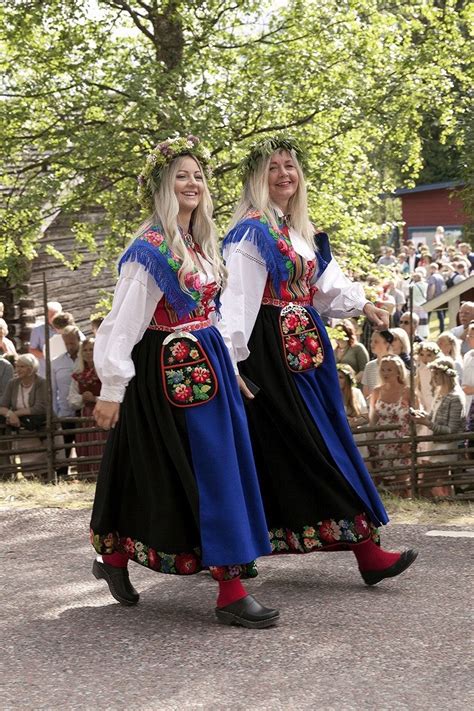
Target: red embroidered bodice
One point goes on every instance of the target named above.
(298, 288)
(165, 315)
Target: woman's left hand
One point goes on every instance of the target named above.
(244, 389)
(87, 396)
(379, 318)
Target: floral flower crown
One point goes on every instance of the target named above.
(426, 346)
(161, 155)
(337, 333)
(349, 371)
(444, 367)
(264, 148)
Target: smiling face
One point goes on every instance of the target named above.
(23, 370)
(282, 179)
(188, 185)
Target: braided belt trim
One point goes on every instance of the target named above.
(196, 326)
(267, 301)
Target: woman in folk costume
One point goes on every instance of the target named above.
(316, 489)
(177, 489)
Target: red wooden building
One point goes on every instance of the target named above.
(426, 207)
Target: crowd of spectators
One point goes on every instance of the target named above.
(443, 367)
(74, 383)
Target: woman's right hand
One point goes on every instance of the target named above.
(106, 414)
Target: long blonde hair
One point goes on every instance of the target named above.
(255, 196)
(165, 214)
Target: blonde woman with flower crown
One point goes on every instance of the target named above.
(447, 416)
(317, 492)
(177, 489)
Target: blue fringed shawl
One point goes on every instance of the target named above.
(265, 239)
(151, 251)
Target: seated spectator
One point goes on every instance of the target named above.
(380, 343)
(465, 316)
(389, 405)
(447, 416)
(401, 346)
(7, 347)
(388, 259)
(83, 393)
(420, 289)
(467, 253)
(24, 399)
(355, 404)
(23, 404)
(6, 374)
(348, 350)
(450, 347)
(40, 333)
(412, 322)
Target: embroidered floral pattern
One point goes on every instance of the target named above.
(301, 341)
(192, 279)
(324, 534)
(188, 376)
(172, 563)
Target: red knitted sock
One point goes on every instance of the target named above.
(371, 557)
(230, 591)
(118, 560)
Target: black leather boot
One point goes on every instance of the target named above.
(247, 612)
(372, 577)
(118, 581)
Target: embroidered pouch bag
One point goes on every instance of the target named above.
(188, 376)
(302, 345)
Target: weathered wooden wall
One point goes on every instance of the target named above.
(78, 291)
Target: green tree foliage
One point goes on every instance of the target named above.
(90, 87)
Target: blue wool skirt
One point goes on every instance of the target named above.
(177, 488)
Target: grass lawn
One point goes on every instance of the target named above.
(79, 495)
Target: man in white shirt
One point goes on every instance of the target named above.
(61, 371)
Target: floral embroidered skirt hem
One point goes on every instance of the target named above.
(316, 490)
(177, 489)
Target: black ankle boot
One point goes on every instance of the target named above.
(118, 581)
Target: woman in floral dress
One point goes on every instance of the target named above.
(83, 394)
(177, 490)
(316, 489)
(390, 405)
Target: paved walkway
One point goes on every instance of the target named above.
(404, 644)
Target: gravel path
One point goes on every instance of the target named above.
(66, 644)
